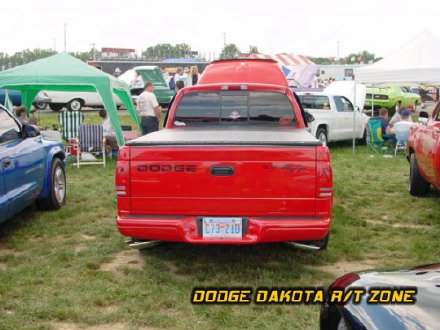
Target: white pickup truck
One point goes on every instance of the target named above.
(335, 116)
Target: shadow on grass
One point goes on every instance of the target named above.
(232, 264)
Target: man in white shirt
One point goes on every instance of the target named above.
(149, 110)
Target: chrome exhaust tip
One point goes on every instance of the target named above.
(141, 244)
(302, 246)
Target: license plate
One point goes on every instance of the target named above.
(222, 227)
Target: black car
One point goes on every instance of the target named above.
(423, 314)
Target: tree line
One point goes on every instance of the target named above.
(27, 55)
(165, 50)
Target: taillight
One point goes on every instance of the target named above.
(122, 175)
(324, 182)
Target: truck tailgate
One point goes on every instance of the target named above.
(259, 173)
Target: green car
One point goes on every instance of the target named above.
(394, 98)
(150, 73)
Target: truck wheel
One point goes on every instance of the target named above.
(57, 193)
(418, 186)
(74, 105)
(321, 135)
(55, 106)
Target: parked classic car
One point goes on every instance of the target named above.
(40, 102)
(149, 73)
(394, 98)
(32, 168)
(368, 315)
(76, 100)
(424, 155)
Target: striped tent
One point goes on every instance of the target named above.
(299, 70)
(285, 59)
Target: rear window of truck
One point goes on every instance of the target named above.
(235, 107)
(318, 102)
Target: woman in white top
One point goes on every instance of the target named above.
(193, 76)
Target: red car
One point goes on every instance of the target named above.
(235, 165)
(424, 155)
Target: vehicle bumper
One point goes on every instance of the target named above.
(378, 104)
(259, 230)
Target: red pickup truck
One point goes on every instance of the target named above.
(234, 165)
(424, 155)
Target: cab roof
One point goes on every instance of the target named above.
(244, 71)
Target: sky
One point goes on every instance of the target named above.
(311, 28)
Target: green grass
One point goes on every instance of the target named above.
(71, 268)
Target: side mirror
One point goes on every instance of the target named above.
(308, 117)
(29, 131)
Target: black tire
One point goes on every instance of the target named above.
(55, 106)
(321, 135)
(58, 188)
(418, 186)
(75, 105)
(40, 105)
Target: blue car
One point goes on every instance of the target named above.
(32, 168)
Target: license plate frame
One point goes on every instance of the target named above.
(224, 220)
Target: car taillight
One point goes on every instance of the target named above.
(122, 175)
(324, 182)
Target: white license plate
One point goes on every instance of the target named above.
(222, 227)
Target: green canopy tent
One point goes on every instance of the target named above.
(63, 72)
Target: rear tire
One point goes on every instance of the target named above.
(58, 188)
(74, 105)
(321, 135)
(55, 106)
(418, 186)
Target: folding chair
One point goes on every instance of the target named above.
(91, 141)
(402, 135)
(70, 122)
(375, 141)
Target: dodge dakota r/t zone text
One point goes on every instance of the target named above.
(234, 165)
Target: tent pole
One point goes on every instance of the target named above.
(354, 116)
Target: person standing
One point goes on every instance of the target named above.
(178, 75)
(193, 76)
(149, 109)
(137, 81)
(179, 85)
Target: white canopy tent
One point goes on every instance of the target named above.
(416, 62)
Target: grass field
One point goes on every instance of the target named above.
(71, 269)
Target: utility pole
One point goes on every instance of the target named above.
(93, 51)
(337, 56)
(65, 37)
(224, 39)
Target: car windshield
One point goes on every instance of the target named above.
(235, 107)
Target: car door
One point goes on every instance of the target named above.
(22, 163)
(3, 197)
(346, 112)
